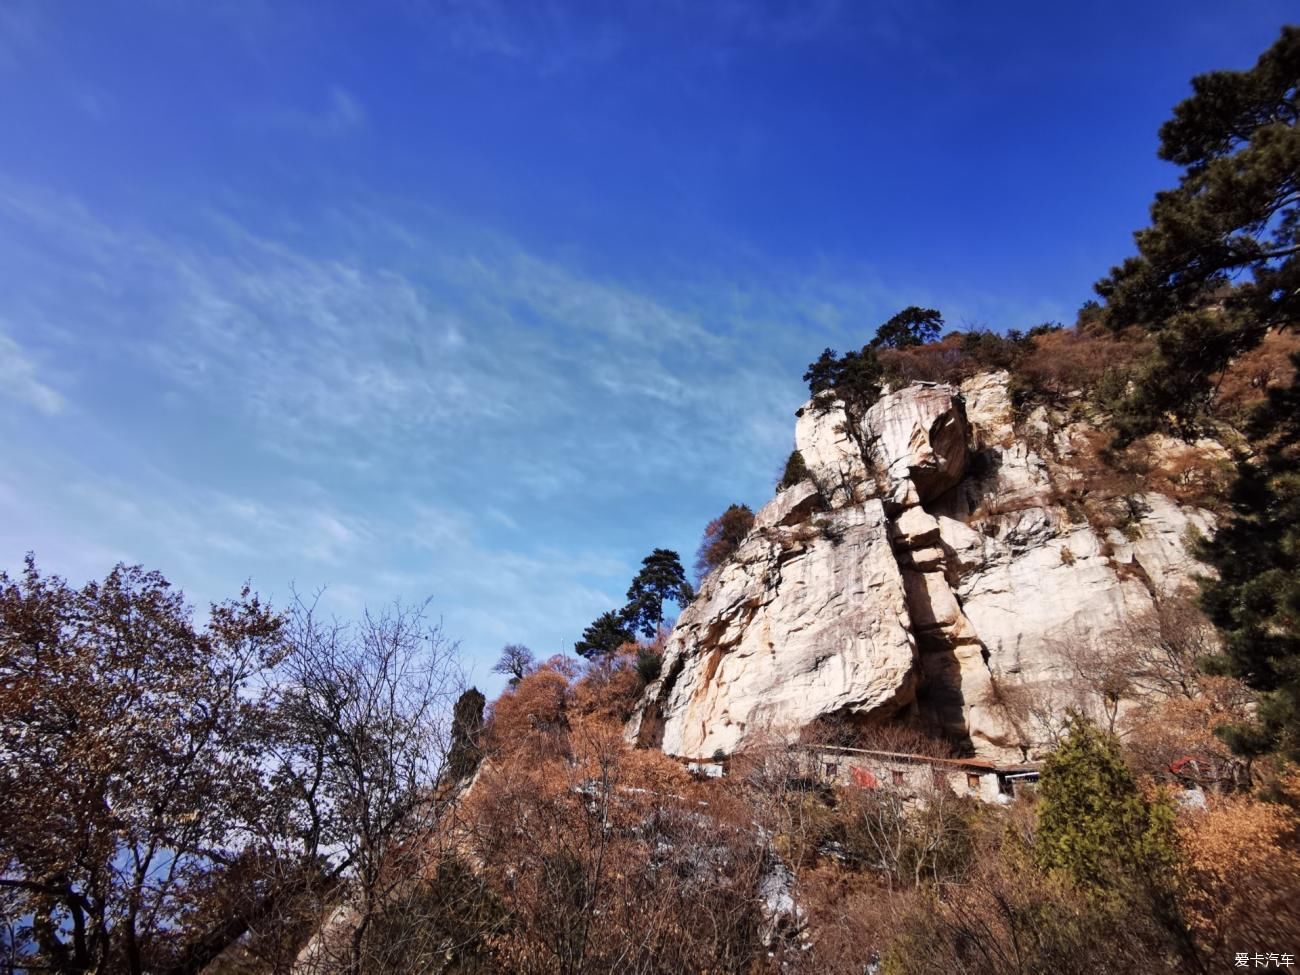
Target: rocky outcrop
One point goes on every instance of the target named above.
(805, 619)
(926, 570)
(831, 454)
(917, 439)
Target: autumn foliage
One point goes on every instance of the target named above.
(175, 794)
(722, 536)
(167, 807)
(602, 856)
(1241, 874)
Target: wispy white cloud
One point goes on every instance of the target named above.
(561, 36)
(81, 521)
(340, 113)
(195, 524)
(344, 111)
(355, 363)
(18, 380)
(554, 37)
(396, 405)
(433, 417)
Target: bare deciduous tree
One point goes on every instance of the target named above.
(604, 857)
(365, 715)
(908, 839)
(840, 730)
(1167, 642)
(1151, 654)
(516, 662)
(1038, 712)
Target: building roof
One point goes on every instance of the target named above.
(982, 765)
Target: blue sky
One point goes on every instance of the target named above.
(484, 300)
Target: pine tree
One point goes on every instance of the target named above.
(1254, 597)
(661, 579)
(854, 378)
(1217, 270)
(1219, 267)
(603, 637)
(795, 470)
(1098, 832)
(911, 326)
(1094, 826)
(466, 750)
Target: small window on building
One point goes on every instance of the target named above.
(832, 769)
(897, 776)
(972, 781)
(938, 777)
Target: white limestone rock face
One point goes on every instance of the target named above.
(832, 456)
(988, 409)
(1019, 602)
(1037, 587)
(1032, 606)
(916, 438)
(1159, 545)
(1005, 473)
(797, 625)
(919, 434)
(924, 581)
(792, 506)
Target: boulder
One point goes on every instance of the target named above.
(791, 506)
(919, 434)
(988, 409)
(916, 528)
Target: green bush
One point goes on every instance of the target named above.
(649, 665)
(1095, 826)
(795, 470)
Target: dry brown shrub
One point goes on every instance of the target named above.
(1247, 381)
(778, 788)
(843, 731)
(1038, 712)
(1167, 642)
(1091, 482)
(851, 919)
(1242, 876)
(944, 361)
(1160, 734)
(909, 839)
(605, 860)
(1155, 658)
(1076, 360)
(1009, 918)
(531, 718)
(956, 357)
(610, 689)
(1190, 473)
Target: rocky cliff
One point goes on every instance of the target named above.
(936, 561)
